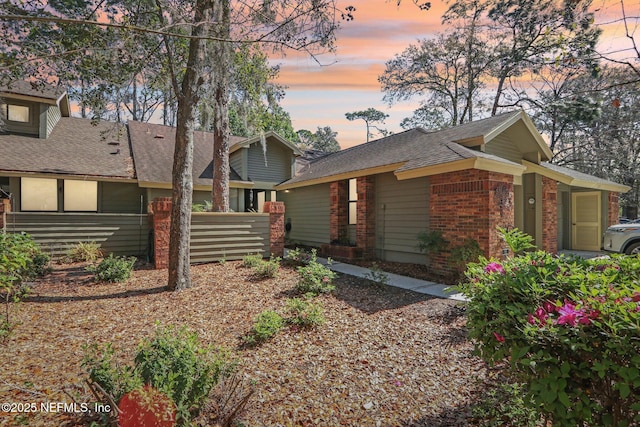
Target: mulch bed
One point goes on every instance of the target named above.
(384, 357)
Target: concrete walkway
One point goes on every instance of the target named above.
(421, 286)
(416, 285)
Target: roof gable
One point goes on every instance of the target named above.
(413, 152)
(153, 148)
(37, 92)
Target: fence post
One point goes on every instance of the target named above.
(276, 226)
(161, 223)
(5, 206)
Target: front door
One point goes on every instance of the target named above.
(586, 220)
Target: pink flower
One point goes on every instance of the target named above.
(549, 307)
(494, 267)
(569, 315)
(499, 337)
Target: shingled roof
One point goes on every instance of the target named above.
(76, 147)
(153, 148)
(402, 152)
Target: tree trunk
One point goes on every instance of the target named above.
(222, 57)
(182, 181)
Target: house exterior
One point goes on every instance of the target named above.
(464, 182)
(66, 180)
(51, 162)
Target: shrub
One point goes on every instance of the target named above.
(430, 242)
(506, 404)
(517, 240)
(267, 269)
(267, 325)
(568, 328)
(315, 278)
(304, 313)
(251, 260)
(376, 274)
(173, 362)
(21, 259)
(300, 256)
(84, 252)
(113, 269)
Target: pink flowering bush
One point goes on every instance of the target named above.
(315, 278)
(569, 329)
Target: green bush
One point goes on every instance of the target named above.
(569, 329)
(505, 404)
(267, 269)
(173, 362)
(300, 256)
(376, 274)
(84, 252)
(267, 325)
(251, 260)
(315, 278)
(113, 269)
(304, 313)
(430, 242)
(21, 259)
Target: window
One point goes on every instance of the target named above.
(17, 113)
(39, 194)
(80, 196)
(353, 201)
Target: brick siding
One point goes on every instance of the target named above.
(339, 211)
(366, 216)
(470, 204)
(614, 208)
(549, 215)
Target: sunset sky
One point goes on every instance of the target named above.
(347, 81)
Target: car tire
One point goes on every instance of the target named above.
(633, 249)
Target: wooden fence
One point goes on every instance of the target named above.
(214, 236)
(228, 236)
(121, 234)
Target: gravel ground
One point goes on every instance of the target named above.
(384, 357)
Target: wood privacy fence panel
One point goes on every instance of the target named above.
(228, 236)
(121, 234)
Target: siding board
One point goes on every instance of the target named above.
(402, 211)
(308, 210)
(278, 165)
(121, 234)
(229, 236)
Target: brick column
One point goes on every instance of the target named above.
(5, 207)
(366, 216)
(470, 204)
(614, 208)
(338, 211)
(549, 215)
(276, 226)
(161, 221)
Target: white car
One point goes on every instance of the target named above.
(622, 238)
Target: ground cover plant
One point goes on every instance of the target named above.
(569, 330)
(382, 356)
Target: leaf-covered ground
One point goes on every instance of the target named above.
(384, 357)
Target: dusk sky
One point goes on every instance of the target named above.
(321, 95)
